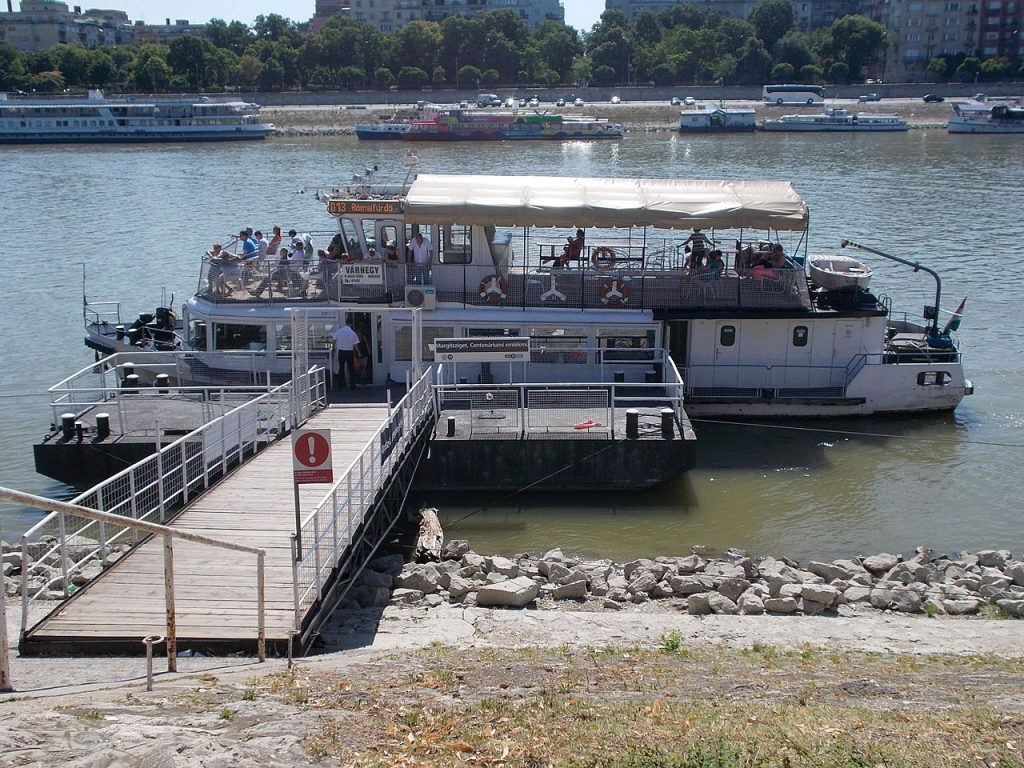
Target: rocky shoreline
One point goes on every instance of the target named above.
(989, 583)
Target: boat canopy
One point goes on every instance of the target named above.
(555, 201)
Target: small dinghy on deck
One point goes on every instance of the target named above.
(835, 272)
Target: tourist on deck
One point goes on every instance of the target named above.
(262, 244)
(336, 248)
(391, 253)
(249, 248)
(716, 264)
(344, 341)
(422, 252)
(696, 245)
(572, 250)
(275, 242)
(285, 276)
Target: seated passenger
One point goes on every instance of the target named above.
(715, 266)
(777, 259)
(572, 250)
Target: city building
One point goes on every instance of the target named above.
(920, 30)
(42, 24)
(167, 32)
(390, 15)
(736, 9)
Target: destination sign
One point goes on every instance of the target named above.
(374, 207)
(362, 274)
(482, 350)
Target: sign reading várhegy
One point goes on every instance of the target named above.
(362, 273)
(311, 456)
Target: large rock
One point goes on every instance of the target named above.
(455, 549)
(555, 570)
(962, 607)
(733, 588)
(691, 585)
(1012, 607)
(458, 586)
(502, 565)
(781, 605)
(750, 603)
(720, 571)
(699, 604)
(571, 591)
(514, 593)
(1015, 572)
(376, 579)
(857, 594)
(830, 571)
(880, 563)
(880, 598)
(391, 564)
(991, 558)
(690, 564)
(722, 605)
(906, 601)
(425, 578)
(819, 593)
(402, 596)
(643, 581)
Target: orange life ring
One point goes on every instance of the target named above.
(493, 289)
(603, 258)
(615, 292)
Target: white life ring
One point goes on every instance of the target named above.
(493, 289)
(614, 292)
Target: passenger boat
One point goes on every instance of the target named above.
(974, 116)
(741, 339)
(836, 272)
(717, 118)
(99, 119)
(836, 119)
(440, 123)
(384, 130)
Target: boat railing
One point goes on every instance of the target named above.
(643, 283)
(536, 398)
(764, 382)
(153, 490)
(97, 313)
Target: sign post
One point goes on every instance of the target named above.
(311, 463)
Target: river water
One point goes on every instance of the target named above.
(138, 218)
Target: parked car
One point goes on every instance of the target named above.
(560, 103)
(510, 102)
(689, 101)
(616, 100)
(488, 100)
(870, 97)
(578, 103)
(534, 102)
(932, 98)
(675, 101)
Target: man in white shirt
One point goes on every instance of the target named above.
(345, 340)
(262, 244)
(422, 256)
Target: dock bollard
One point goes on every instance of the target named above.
(162, 382)
(451, 426)
(67, 425)
(619, 377)
(632, 423)
(127, 369)
(79, 431)
(650, 376)
(668, 423)
(148, 642)
(119, 329)
(131, 384)
(102, 425)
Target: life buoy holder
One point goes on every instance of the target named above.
(614, 292)
(493, 289)
(603, 258)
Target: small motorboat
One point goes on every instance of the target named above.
(835, 272)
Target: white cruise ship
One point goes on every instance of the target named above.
(99, 119)
(836, 120)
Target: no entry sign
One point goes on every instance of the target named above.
(311, 456)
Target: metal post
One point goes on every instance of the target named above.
(295, 582)
(261, 621)
(172, 630)
(160, 483)
(5, 659)
(148, 642)
(317, 561)
(298, 524)
(63, 552)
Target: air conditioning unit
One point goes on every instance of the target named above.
(422, 296)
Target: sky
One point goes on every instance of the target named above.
(581, 14)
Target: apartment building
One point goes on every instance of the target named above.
(42, 24)
(389, 15)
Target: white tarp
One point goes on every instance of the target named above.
(556, 201)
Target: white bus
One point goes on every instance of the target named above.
(794, 94)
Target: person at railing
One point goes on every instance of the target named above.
(275, 242)
(422, 252)
(336, 248)
(286, 275)
(391, 254)
(223, 269)
(262, 244)
(697, 246)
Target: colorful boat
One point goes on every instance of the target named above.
(975, 116)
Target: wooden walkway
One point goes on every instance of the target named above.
(214, 588)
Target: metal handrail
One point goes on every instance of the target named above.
(62, 509)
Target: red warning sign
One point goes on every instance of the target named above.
(311, 456)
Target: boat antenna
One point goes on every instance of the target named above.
(916, 267)
(410, 162)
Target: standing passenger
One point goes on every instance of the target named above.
(344, 341)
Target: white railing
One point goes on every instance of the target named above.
(151, 489)
(327, 531)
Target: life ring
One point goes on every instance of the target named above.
(493, 289)
(603, 258)
(614, 292)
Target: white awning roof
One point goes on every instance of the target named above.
(556, 201)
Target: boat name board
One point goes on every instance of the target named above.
(481, 350)
(391, 434)
(362, 274)
(343, 207)
(311, 456)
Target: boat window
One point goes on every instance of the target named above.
(238, 336)
(388, 236)
(403, 340)
(369, 233)
(800, 336)
(456, 245)
(933, 378)
(348, 231)
(625, 343)
(558, 345)
(727, 335)
(197, 334)
(319, 336)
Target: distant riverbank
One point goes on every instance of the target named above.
(644, 117)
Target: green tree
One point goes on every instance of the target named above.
(272, 75)
(276, 27)
(686, 15)
(12, 68)
(416, 45)
(558, 46)
(782, 73)
(438, 77)
(663, 74)
(968, 70)
(248, 71)
(772, 19)
(939, 67)
(603, 75)
(47, 82)
(102, 70)
(996, 68)
(411, 78)
(490, 77)
(321, 79)
(467, 76)
(187, 57)
(810, 73)
(858, 40)
(150, 70)
(234, 36)
(646, 29)
(793, 48)
(839, 72)
(752, 63)
(73, 62)
(383, 78)
(351, 78)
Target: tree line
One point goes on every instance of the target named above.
(679, 45)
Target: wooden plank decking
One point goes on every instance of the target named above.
(214, 588)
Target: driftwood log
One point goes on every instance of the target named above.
(430, 538)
